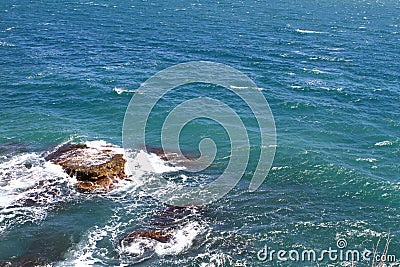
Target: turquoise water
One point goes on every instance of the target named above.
(329, 70)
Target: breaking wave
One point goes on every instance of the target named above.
(31, 188)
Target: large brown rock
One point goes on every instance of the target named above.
(95, 167)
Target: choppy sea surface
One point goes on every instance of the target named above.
(329, 70)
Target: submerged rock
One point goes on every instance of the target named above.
(160, 236)
(27, 261)
(171, 155)
(95, 167)
(165, 225)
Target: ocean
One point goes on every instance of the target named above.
(328, 69)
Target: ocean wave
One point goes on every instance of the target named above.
(277, 168)
(6, 44)
(84, 253)
(99, 244)
(216, 260)
(122, 90)
(384, 143)
(331, 59)
(245, 87)
(182, 239)
(338, 89)
(315, 71)
(367, 159)
(29, 174)
(298, 87)
(308, 31)
(29, 187)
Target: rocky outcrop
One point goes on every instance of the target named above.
(24, 261)
(95, 167)
(162, 227)
(160, 236)
(172, 155)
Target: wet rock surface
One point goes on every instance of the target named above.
(95, 168)
(26, 261)
(160, 236)
(162, 226)
(172, 156)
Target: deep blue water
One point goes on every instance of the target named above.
(329, 70)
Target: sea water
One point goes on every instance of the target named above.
(329, 70)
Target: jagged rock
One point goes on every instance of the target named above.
(172, 156)
(102, 183)
(159, 151)
(24, 261)
(160, 236)
(95, 168)
(163, 226)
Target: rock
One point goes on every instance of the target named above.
(28, 262)
(171, 155)
(160, 236)
(102, 183)
(89, 170)
(95, 167)
(162, 227)
(159, 151)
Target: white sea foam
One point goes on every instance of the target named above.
(102, 145)
(277, 168)
(315, 71)
(141, 163)
(182, 238)
(82, 254)
(29, 178)
(216, 260)
(384, 143)
(6, 44)
(338, 89)
(245, 87)
(22, 173)
(331, 59)
(307, 31)
(29, 186)
(92, 250)
(122, 90)
(367, 159)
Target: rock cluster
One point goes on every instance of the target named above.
(95, 168)
(162, 227)
(99, 167)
